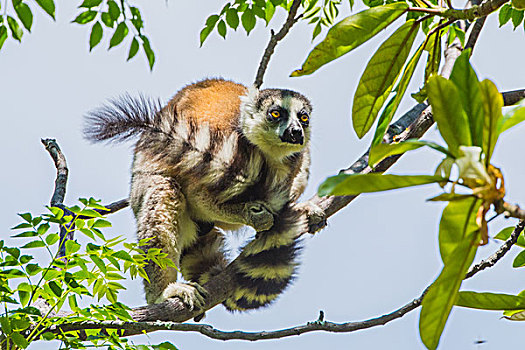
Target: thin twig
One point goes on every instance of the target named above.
(274, 39)
(470, 14)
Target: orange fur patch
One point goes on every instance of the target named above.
(213, 101)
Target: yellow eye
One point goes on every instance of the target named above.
(275, 114)
(304, 118)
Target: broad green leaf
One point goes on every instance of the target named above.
(248, 20)
(48, 6)
(514, 117)
(457, 222)
(16, 31)
(232, 18)
(113, 10)
(95, 36)
(490, 301)
(85, 17)
(52, 238)
(19, 340)
(467, 83)
(519, 260)
(354, 184)
(383, 150)
(149, 54)
(504, 14)
(34, 244)
(492, 104)
(380, 75)
(205, 32)
(3, 35)
(448, 113)
(119, 35)
(24, 14)
(133, 49)
(348, 34)
(442, 294)
(90, 3)
(390, 110)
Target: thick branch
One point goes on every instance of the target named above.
(469, 14)
(62, 171)
(274, 39)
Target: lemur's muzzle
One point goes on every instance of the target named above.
(293, 134)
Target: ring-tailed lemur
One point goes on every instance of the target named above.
(218, 156)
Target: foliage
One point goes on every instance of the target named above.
(75, 282)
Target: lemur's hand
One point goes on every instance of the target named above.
(258, 216)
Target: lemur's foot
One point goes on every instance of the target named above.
(316, 216)
(258, 216)
(191, 294)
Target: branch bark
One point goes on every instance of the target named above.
(470, 14)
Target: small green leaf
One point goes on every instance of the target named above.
(354, 184)
(492, 104)
(85, 17)
(34, 244)
(519, 260)
(25, 15)
(55, 288)
(317, 30)
(205, 32)
(96, 35)
(434, 55)
(380, 75)
(467, 83)
(119, 35)
(448, 113)
(107, 20)
(504, 14)
(52, 238)
(72, 247)
(221, 28)
(148, 51)
(490, 301)
(3, 35)
(382, 150)
(517, 17)
(48, 6)
(133, 49)
(16, 31)
(90, 3)
(504, 234)
(269, 11)
(113, 10)
(19, 340)
(248, 20)
(232, 18)
(348, 34)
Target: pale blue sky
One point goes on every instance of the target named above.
(375, 255)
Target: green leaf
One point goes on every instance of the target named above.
(3, 35)
(113, 10)
(48, 6)
(107, 20)
(392, 105)
(232, 18)
(221, 28)
(19, 340)
(442, 294)
(148, 51)
(519, 260)
(383, 150)
(514, 117)
(467, 83)
(504, 14)
(504, 234)
(269, 11)
(490, 301)
(24, 14)
(380, 75)
(434, 55)
(52, 238)
(119, 35)
(16, 31)
(492, 104)
(85, 17)
(517, 17)
(205, 32)
(448, 113)
(34, 244)
(133, 49)
(90, 3)
(354, 184)
(96, 35)
(348, 34)
(248, 20)
(57, 290)
(72, 247)
(457, 223)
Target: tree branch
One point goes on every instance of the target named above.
(469, 14)
(274, 39)
(318, 325)
(62, 171)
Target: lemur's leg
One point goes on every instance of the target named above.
(162, 217)
(205, 258)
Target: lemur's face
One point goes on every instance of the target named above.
(276, 120)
